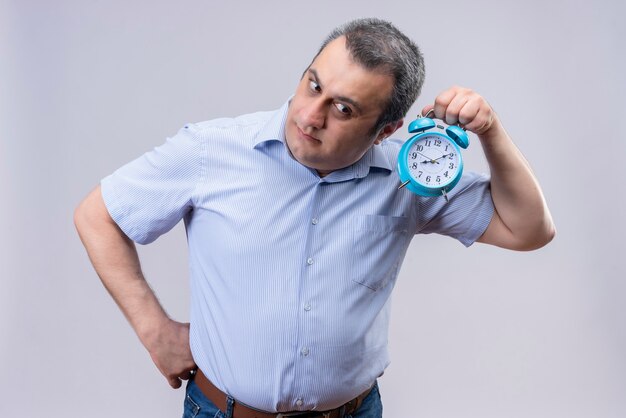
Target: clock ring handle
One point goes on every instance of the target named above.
(456, 132)
(426, 115)
(419, 116)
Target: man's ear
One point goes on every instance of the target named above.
(388, 129)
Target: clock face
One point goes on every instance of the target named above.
(433, 160)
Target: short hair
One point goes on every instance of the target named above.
(379, 46)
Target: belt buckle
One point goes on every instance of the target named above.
(304, 414)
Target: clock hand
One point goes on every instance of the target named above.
(443, 156)
(429, 160)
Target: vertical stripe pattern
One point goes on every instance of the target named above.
(290, 273)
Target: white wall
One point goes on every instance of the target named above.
(85, 86)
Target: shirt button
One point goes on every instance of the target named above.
(307, 307)
(309, 261)
(304, 351)
(299, 402)
(314, 221)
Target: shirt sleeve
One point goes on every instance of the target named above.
(151, 194)
(466, 215)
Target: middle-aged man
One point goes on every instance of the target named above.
(296, 232)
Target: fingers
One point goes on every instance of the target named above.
(458, 109)
(442, 102)
(481, 122)
(172, 355)
(459, 105)
(186, 374)
(175, 379)
(174, 382)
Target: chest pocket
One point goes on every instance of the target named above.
(379, 246)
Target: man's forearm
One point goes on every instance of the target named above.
(115, 259)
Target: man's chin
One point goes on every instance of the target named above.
(310, 163)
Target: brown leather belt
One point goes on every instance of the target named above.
(219, 398)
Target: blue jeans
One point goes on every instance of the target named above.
(198, 406)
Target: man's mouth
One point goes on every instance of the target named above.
(305, 136)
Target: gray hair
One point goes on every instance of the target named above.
(380, 46)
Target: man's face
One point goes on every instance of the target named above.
(332, 116)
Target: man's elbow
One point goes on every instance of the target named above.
(550, 234)
(542, 237)
(90, 212)
(80, 216)
(527, 236)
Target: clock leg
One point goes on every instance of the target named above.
(404, 184)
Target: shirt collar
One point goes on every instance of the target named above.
(274, 129)
(375, 157)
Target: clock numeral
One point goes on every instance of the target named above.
(451, 166)
(451, 155)
(413, 155)
(437, 142)
(414, 166)
(420, 147)
(428, 142)
(445, 174)
(419, 174)
(427, 179)
(447, 146)
(438, 179)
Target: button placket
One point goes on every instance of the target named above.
(311, 258)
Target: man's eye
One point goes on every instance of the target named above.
(314, 86)
(343, 109)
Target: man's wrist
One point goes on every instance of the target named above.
(152, 332)
(493, 133)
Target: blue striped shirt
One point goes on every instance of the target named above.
(290, 273)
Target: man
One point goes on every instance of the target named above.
(297, 230)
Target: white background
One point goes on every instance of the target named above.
(86, 86)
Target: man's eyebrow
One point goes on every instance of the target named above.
(315, 75)
(354, 103)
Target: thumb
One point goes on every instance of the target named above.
(174, 382)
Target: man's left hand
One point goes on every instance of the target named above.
(465, 107)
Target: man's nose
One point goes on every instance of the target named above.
(314, 115)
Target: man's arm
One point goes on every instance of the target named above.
(115, 259)
(521, 219)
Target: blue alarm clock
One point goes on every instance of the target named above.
(430, 163)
